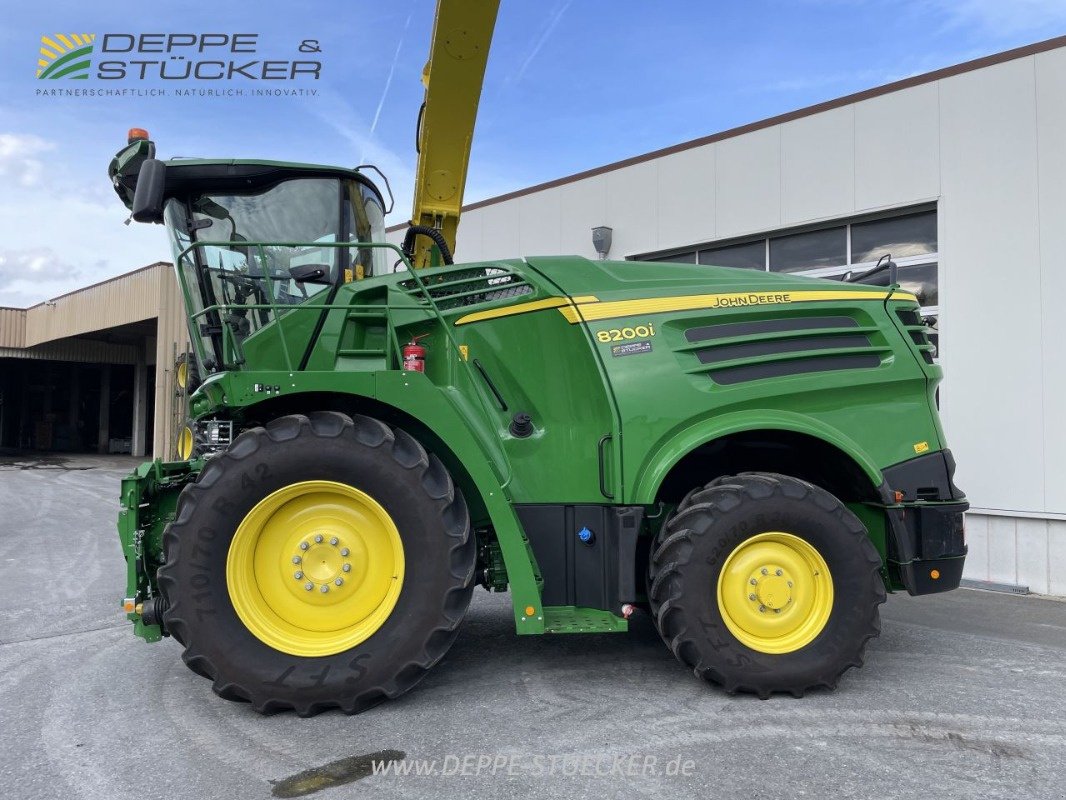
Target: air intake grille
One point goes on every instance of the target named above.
(918, 331)
(470, 287)
(737, 352)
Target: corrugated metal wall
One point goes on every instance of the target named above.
(132, 297)
(172, 338)
(12, 327)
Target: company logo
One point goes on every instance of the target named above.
(65, 55)
(177, 65)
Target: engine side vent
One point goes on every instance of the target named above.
(748, 350)
(470, 287)
(765, 347)
(780, 369)
(756, 327)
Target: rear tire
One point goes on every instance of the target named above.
(764, 583)
(209, 578)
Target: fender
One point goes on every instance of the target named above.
(655, 468)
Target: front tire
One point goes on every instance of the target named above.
(764, 583)
(354, 509)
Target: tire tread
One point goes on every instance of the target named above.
(695, 518)
(409, 454)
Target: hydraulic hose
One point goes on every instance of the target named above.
(432, 233)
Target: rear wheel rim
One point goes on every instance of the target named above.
(775, 592)
(315, 568)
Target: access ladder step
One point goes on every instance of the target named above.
(571, 619)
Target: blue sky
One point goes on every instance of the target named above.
(571, 84)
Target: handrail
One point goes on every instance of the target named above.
(230, 344)
(412, 274)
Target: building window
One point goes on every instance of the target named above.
(903, 237)
(834, 250)
(747, 255)
(688, 257)
(800, 252)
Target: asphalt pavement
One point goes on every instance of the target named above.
(962, 696)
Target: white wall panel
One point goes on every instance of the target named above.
(582, 206)
(687, 196)
(633, 209)
(499, 231)
(1057, 557)
(748, 181)
(539, 220)
(976, 567)
(897, 148)
(818, 166)
(988, 246)
(1002, 550)
(1033, 554)
(1051, 151)
(468, 238)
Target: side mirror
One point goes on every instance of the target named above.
(148, 196)
(309, 273)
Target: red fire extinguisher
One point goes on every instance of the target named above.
(414, 355)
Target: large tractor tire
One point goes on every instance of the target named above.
(763, 583)
(322, 561)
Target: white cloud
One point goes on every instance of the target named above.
(32, 264)
(18, 157)
(59, 232)
(33, 274)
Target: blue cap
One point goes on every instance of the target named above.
(585, 535)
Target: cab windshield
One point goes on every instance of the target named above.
(265, 251)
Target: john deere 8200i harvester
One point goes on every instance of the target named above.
(751, 458)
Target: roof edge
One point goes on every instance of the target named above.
(137, 271)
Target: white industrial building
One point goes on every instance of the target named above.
(961, 174)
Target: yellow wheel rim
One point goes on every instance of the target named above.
(181, 375)
(775, 593)
(315, 568)
(186, 441)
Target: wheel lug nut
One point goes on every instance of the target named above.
(304, 545)
(347, 568)
(751, 596)
(762, 609)
(764, 571)
(753, 582)
(790, 584)
(309, 586)
(778, 573)
(333, 541)
(296, 559)
(298, 575)
(339, 581)
(324, 589)
(318, 538)
(777, 610)
(344, 551)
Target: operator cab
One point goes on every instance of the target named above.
(253, 239)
